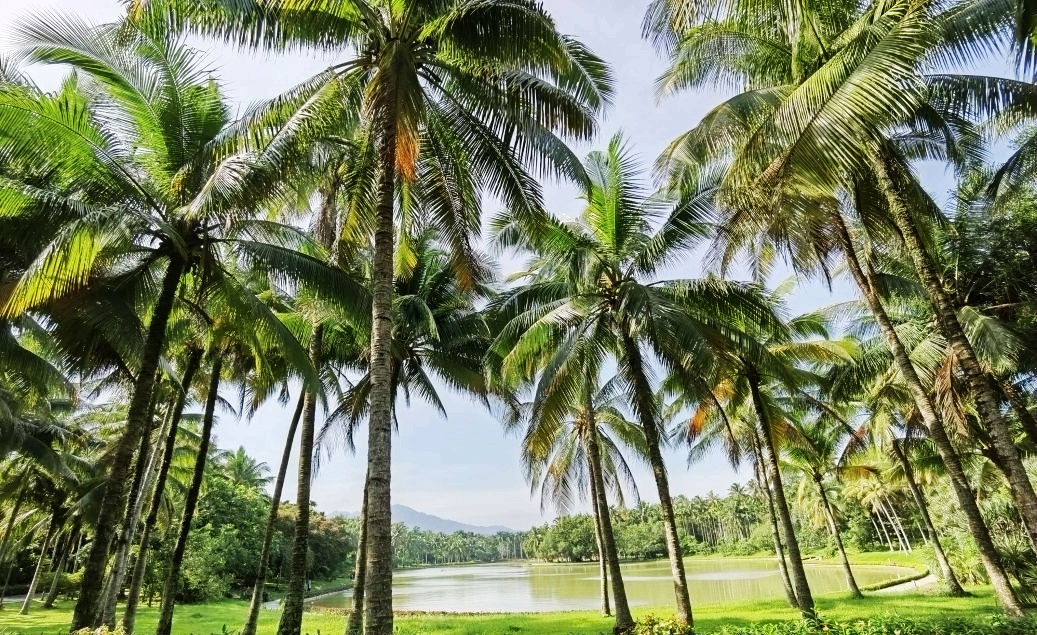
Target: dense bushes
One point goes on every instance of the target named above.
(888, 625)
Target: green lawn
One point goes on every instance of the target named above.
(205, 619)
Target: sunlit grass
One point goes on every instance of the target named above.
(204, 619)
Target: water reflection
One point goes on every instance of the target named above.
(523, 587)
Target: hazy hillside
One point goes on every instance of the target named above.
(414, 518)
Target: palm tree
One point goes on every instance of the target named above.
(475, 87)
(154, 218)
(591, 286)
(574, 448)
(437, 333)
(241, 468)
(818, 448)
(789, 171)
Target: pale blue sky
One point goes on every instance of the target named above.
(464, 468)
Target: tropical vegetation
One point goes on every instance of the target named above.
(165, 264)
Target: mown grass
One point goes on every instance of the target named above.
(205, 619)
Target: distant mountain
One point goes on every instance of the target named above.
(428, 522)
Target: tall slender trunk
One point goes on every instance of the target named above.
(113, 501)
(644, 395)
(984, 390)
(898, 530)
(963, 492)
(65, 551)
(603, 574)
(624, 620)
(954, 588)
(295, 596)
(117, 576)
(797, 572)
(165, 617)
(355, 625)
(779, 549)
(129, 617)
(833, 523)
(6, 541)
(52, 528)
(378, 588)
(252, 621)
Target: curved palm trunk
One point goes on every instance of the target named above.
(52, 527)
(117, 577)
(165, 617)
(378, 587)
(963, 491)
(954, 588)
(624, 620)
(603, 575)
(113, 502)
(643, 396)
(798, 574)
(194, 360)
(986, 393)
(833, 524)
(779, 549)
(291, 616)
(252, 620)
(355, 625)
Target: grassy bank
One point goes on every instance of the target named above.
(203, 619)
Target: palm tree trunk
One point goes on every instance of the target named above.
(7, 540)
(65, 551)
(291, 616)
(797, 572)
(378, 585)
(954, 588)
(117, 576)
(165, 618)
(194, 360)
(603, 575)
(833, 523)
(52, 527)
(624, 620)
(987, 396)
(113, 501)
(779, 549)
(644, 396)
(963, 492)
(271, 522)
(355, 625)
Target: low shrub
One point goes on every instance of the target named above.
(652, 625)
(894, 625)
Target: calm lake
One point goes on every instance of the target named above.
(521, 587)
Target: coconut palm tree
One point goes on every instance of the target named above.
(154, 218)
(789, 172)
(592, 285)
(574, 449)
(478, 87)
(817, 449)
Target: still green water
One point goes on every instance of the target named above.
(527, 587)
